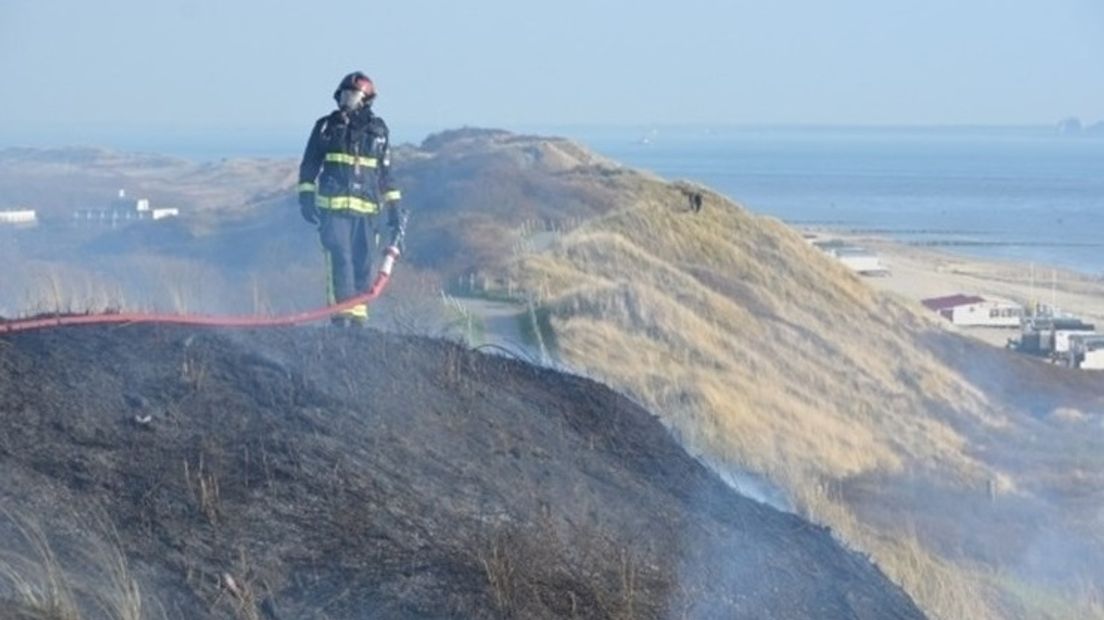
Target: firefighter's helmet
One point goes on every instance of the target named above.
(355, 91)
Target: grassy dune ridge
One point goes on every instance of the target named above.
(692, 310)
(764, 355)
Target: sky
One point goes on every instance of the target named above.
(75, 70)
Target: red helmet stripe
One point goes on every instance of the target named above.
(365, 85)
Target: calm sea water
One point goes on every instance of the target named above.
(1019, 193)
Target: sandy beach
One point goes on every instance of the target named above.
(917, 273)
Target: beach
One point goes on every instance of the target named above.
(917, 273)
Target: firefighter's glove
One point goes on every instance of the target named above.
(396, 226)
(307, 207)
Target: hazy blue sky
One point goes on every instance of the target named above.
(72, 66)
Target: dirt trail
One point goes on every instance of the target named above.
(502, 321)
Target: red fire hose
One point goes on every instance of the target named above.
(382, 278)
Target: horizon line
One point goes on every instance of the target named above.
(188, 127)
(138, 139)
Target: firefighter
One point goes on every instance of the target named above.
(344, 184)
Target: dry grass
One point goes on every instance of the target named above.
(764, 355)
(35, 287)
(240, 591)
(97, 582)
(35, 580)
(942, 588)
(138, 282)
(789, 361)
(499, 567)
(204, 487)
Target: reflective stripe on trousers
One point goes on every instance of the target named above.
(346, 203)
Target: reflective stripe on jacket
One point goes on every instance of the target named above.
(347, 163)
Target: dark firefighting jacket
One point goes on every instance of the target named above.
(347, 164)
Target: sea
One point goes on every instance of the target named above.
(1029, 194)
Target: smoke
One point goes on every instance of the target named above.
(755, 487)
(81, 279)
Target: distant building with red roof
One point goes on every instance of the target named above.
(939, 304)
(971, 310)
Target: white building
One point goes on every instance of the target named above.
(1052, 335)
(1086, 351)
(18, 217)
(973, 311)
(123, 210)
(857, 259)
(861, 261)
(1094, 359)
(1063, 337)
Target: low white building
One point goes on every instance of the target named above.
(858, 259)
(1051, 335)
(123, 210)
(1093, 360)
(861, 261)
(18, 217)
(1086, 351)
(974, 311)
(1063, 337)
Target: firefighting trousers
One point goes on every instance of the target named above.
(346, 241)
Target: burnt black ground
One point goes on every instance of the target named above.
(363, 475)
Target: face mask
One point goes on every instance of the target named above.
(351, 100)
